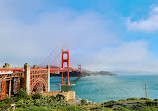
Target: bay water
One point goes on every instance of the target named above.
(104, 88)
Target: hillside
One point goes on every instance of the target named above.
(95, 73)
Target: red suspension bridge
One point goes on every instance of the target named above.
(36, 78)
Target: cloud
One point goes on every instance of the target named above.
(128, 58)
(149, 24)
(91, 42)
(31, 42)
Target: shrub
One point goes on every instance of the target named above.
(23, 103)
(36, 96)
(145, 99)
(97, 108)
(83, 101)
(120, 108)
(155, 100)
(133, 98)
(110, 103)
(8, 100)
(151, 103)
(52, 97)
(140, 107)
(89, 103)
(22, 94)
(4, 106)
(128, 106)
(122, 100)
(34, 108)
(47, 101)
(72, 108)
(60, 97)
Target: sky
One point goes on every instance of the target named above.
(112, 35)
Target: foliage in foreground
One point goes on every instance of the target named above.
(142, 104)
(35, 108)
(24, 102)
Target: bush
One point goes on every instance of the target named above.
(89, 103)
(155, 100)
(120, 108)
(22, 94)
(24, 103)
(110, 103)
(139, 107)
(83, 101)
(6, 103)
(47, 101)
(97, 108)
(151, 103)
(132, 99)
(72, 108)
(36, 96)
(52, 97)
(122, 100)
(8, 100)
(4, 106)
(60, 97)
(34, 108)
(145, 99)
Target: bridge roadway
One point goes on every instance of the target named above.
(55, 70)
(33, 79)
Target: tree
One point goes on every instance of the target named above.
(83, 101)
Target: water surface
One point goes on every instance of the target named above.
(104, 88)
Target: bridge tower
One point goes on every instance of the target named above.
(65, 60)
(2, 87)
(79, 71)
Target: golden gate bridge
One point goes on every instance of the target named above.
(36, 78)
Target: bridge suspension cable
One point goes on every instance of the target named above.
(55, 59)
(47, 57)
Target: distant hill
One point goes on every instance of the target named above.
(86, 73)
(95, 73)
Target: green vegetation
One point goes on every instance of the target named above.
(37, 102)
(130, 104)
(24, 102)
(83, 101)
(122, 100)
(132, 99)
(109, 104)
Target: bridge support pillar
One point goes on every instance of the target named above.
(61, 77)
(68, 82)
(10, 88)
(27, 77)
(19, 83)
(3, 87)
(48, 78)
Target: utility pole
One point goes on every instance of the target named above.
(60, 87)
(103, 106)
(75, 107)
(146, 89)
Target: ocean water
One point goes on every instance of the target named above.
(103, 88)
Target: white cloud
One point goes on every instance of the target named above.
(92, 43)
(149, 24)
(22, 42)
(131, 57)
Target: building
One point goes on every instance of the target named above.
(69, 95)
